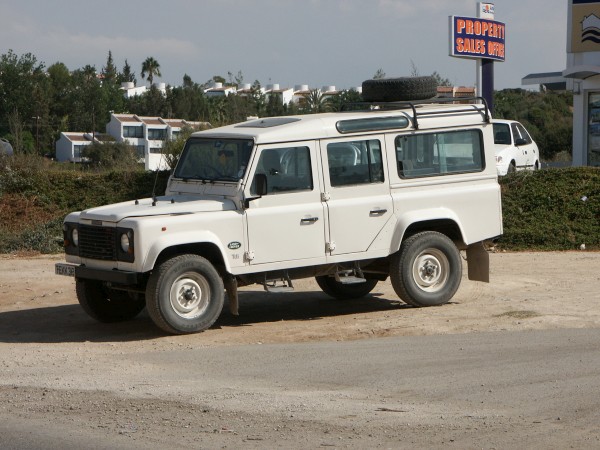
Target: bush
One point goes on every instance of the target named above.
(551, 209)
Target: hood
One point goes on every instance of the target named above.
(171, 205)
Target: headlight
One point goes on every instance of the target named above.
(71, 238)
(125, 242)
(125, 245)
(498, 159)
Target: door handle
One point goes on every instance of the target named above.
(377, 212)
(309, 220)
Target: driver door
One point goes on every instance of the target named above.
(288, 222)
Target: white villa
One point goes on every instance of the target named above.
(146, 134)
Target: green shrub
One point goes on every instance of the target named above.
(553, 209)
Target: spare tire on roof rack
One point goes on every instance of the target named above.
(399, 89)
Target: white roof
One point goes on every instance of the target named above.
(318, 126)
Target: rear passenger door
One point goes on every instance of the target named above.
(356, 192)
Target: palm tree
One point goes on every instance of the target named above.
(316, 103)
(151, 67)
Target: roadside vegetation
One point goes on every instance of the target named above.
(546, 210)
(37, 103)
(551, 209)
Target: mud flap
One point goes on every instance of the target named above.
(478, 261)
(231, 288)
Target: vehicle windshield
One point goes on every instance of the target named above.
(212, 159)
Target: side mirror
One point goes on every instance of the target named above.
(520, 141)
(261, 184)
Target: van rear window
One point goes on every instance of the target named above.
(443, 153)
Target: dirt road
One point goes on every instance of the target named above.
(74, 380)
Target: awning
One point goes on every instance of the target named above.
(581, 72)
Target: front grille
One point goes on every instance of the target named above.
(98, 243)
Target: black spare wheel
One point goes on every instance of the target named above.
(399, 89)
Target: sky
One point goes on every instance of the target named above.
(289, 42)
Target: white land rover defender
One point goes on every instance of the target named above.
(350, 198)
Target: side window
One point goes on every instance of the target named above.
(524, 133)
(421, 155)
(287, 169)
(355, 162)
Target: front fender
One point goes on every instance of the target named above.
(162, 243)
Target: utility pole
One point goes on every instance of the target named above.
(37, 134)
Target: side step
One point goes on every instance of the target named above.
(354, 276)
(278, 285)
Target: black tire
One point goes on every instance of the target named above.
(107, 305)
(512, 167)
(185, 295)
(342, 291)
(399, 89)
(427, 269)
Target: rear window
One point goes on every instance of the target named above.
(443, 153)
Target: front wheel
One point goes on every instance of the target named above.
(338, 290)
(105, 304)
(185, 295)
(427, 269)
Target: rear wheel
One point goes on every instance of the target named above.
(185, 295)
(338, 290)
(105, 304)
(427, 269)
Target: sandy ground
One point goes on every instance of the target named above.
(41, 325)
(526, 291)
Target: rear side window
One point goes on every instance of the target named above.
(355, 162)
(443, 153)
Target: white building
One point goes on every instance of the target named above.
(147, 135)
(285, 94)
(131, 90)
(70, 145)
(582, 77)
(218, 90)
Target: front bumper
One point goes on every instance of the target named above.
(86, 273)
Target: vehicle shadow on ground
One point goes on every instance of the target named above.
(259, 307)
(68, 323)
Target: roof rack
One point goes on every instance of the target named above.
(388, 106)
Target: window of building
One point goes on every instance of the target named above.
(355, 162)
(593, 156)
(140, 151)
(77, 149)
(155, 149)
(444, 153)
(133, 131)
(157, 134)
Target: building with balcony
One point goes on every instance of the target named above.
(148, 134)
(70, 145)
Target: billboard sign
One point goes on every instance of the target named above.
(584, 26)
(472, 37)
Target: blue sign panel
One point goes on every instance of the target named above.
(471, 37)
